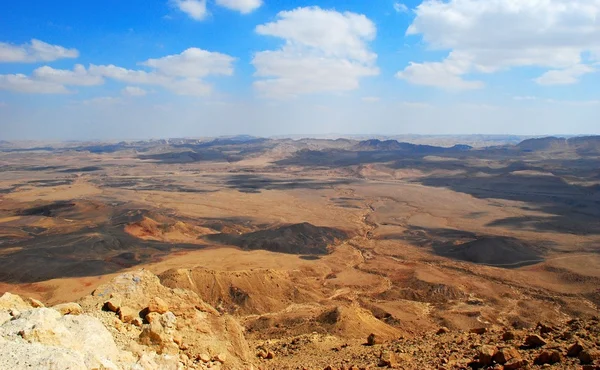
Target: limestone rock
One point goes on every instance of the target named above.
(43, 336)
(69, 308)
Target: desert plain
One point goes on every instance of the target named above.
(327, 239)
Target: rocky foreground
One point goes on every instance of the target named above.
(135, 322)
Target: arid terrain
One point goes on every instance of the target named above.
(311, 245)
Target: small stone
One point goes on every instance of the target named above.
(534, 341)
(137, 322)
(547, 357)
(505, 355)
(388, 359)
(177, 338)
(479, 331)
(544, 329)
(127, 314)
(373, 340)
(153, 317)
(515, 364)
(221, 357)
(113, 304)
(575, 350)
(204, 357)
(589, 356)
(508, 335)
(486, 353)
(158, 305)
(69, 309)
(442, 330)
(35, 303)
(270, 355)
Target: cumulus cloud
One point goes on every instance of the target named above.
(133, 91)
(34, 51)
(565, 76)
(193, 62)
(242, 6)
(492, 35)
(324, 51)
(79, 76)
(24, 84)
(180, 73)
(195, 9)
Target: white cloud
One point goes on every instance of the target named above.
(371, 99)
(492, 35)
(79, 76)
(193, 62)
(180, 73)
(103, 100)
(525, 98)
(413, 104)
(400, 8)
(133, 91)
(324, 51)
(445, 75)
(24, 84)
(35, 51)
(565, 76)
(195, 9)
(242, 6)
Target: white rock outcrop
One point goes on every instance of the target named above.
(42, 338)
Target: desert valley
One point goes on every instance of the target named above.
(297, 251)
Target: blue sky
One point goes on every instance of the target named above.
(173, 68)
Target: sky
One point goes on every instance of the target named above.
(140, 69)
